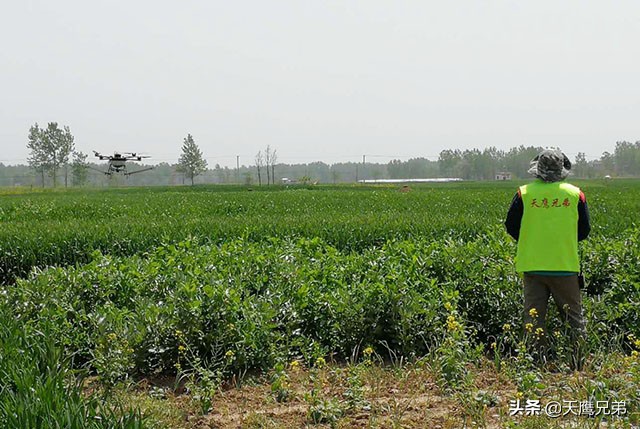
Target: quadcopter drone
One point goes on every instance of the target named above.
(118, 162)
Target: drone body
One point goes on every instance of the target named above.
(117, 163)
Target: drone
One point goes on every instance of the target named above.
(118, 162)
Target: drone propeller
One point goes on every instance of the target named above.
(99, 155)
(120, 156)
(136, 155)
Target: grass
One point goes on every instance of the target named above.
(41, 390)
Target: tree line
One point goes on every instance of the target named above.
(475, 164)
(52, 155)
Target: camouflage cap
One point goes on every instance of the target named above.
(551, 165)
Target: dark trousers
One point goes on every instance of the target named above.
(566, 295)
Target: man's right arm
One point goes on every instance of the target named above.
(514, 216)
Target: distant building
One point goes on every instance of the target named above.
(503, 175)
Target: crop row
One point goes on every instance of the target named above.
(247, 304)
(43, 229)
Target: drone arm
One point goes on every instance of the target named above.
(129, 173)
(98, 170)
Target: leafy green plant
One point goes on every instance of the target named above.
(456, 349)
(39, 389)
(212, 284)
(280, 382)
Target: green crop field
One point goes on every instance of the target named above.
(211, 284)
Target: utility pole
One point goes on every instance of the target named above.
(238, 168)
(364, 161)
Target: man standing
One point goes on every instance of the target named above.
(547, 218)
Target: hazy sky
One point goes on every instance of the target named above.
(321, 80)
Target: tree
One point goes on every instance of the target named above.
(50, 149)
(219, 173)
(267, 161)
(270, 159)
(448, 160)
(58, 144)
(626, 157)
(517, 160)
(395, 169)
(248, 178)
(37, 157)
(607, 163)
(65, 147)
(274, 158)
(191, 162)
(259, 165)
(335, 174)
(580, 166)
(79, 169)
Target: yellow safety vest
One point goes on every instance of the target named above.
(549, 229)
